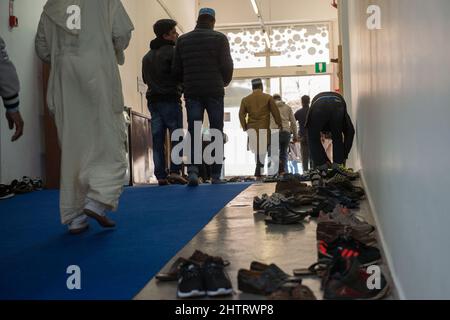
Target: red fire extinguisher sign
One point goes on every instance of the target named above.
(13, 20)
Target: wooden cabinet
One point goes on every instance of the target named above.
(141, 149)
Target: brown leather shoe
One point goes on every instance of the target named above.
(201, 257)
(104, 221)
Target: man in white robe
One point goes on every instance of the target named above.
(84, 41)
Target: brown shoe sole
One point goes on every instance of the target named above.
(104, 221)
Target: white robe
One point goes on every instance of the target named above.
(85, 96)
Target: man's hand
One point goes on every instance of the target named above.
(15, 121)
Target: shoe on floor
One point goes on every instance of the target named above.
(190, 281)
(193, 179)
(201, 258)
(97, 211)
(78, 225)
(344, 216)
(6, 192)
(329, 232)
(218, 181)
(37, 184)
(293, 292)
(261, 283)
(275, 270)
(163, 182)
(217, 281)
(348, 248)
(347, 280)
(175, 178)
(22, 187)
(172, 274)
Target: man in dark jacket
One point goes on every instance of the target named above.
(164, 98)
(328, 112)
(203, 62)
(300, 116)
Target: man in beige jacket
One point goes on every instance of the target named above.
(255, 120)
(289, 129)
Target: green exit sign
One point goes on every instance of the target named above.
(321, 67)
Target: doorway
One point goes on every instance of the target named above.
(239, 160)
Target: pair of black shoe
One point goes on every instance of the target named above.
(210, 279)
(284, 216)
(26, 185)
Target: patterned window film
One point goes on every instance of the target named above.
(244, 44)
(297, 45)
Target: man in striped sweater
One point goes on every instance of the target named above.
(9, 91)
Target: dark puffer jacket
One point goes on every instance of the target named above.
(203, 62)
(156, 72)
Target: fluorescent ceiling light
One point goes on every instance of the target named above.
(267, 39)
(255, 7)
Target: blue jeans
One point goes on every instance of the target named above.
(285, 139)
(196, 107)
(165, 116)
(293, 167)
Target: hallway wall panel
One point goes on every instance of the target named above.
(400, 99)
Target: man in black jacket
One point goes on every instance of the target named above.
(164, 98)
(328, 112)
(203, 63)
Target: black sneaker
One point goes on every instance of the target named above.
(6, 192)
(37, 184)
(190, 281)
(346, 279)
(317, 178)
(348, 248)
(217, 282)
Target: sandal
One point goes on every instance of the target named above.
(317, 269)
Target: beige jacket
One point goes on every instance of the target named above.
(256, 110)
(287, 118)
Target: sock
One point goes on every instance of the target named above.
(95, 207)
(78, 222)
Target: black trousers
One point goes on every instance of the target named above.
(327, 115)
(304, 147)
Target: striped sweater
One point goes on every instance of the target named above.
(9, 81)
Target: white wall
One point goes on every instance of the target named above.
(26, 156)
(400, 99)
(144, 14)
